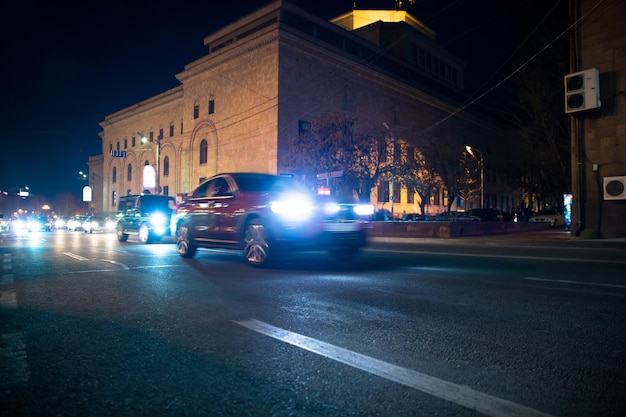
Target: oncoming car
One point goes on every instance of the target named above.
(264, 215)
(98, 224)
(144, 215)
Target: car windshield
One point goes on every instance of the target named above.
(258, 183)
(157, 203)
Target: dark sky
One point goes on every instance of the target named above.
(67, 66)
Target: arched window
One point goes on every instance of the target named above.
(114, 176)
(129, 173)
(204, 147)
(146, 163)
(166, 166)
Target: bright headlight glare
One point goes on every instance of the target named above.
(331, 208)
(293, 208)
(158, 219)
(364, 209)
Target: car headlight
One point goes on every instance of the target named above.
(158, 219)
(331, 208)
(364, 209)
(294, 208)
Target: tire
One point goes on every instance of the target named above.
(144, 234)
(257, 248)
(184, 243)
(121, 236)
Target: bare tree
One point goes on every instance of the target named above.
(340, 142)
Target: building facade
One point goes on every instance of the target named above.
(598, 42)
(267, 76)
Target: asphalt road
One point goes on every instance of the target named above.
(498, 326)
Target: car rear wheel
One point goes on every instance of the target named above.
(184, 244)
(257, 250)
(144, 234)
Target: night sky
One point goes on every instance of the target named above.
(67, 66)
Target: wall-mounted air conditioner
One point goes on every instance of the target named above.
(615, 188)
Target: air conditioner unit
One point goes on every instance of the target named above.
(615, 188)
(582, 91)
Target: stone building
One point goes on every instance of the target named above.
(598, 129)
(264, 79)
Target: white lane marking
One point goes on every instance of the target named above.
(8, 299)
(73, 255)
(481, 255)
(13, 359)
(458, 394)
(123, 266)
(567, 281)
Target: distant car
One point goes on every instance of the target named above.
(61, 222)
(38, 224)
(264, 215)
(144, 215)
(553, 216)
(98, 224)
(4, 223)
(413, 217)
(76, 223)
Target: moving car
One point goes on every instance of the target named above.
(553, 216)
(144, 215)
(76, 223)
(264, 215)
(98, 224)
(38, 224)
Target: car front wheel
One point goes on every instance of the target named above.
(184, 244)
(144, 234)
(121, 236)
(257, 250)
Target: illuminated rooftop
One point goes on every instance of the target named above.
(356, 19)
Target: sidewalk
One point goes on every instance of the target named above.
(558, 237)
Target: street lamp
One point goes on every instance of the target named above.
(393, 156)
(157, 181)
(481, 161)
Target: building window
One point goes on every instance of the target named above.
(114, 176)
(171, 130)
(166, 166)
(196, 111)
(181, 128)
(113, 198)
(118, 145)
(161, 133)
(383, 192)
(133, 142)
(151, 136)
(204, 148)
(166, 190)
(129, 174)
(125, 143)
(211, 106)
(110, 147)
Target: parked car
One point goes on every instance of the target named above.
(456, 216)
(98, 224)
(144, 215)
(76, 223)
(486, 214)
(553, 216)
(264, 215)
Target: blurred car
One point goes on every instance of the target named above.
(76, 223)
(98, 224)
(146, 215)
(264, 215)
(61, 222)
(4, 223)
(456, 216)
(414, 217)
(553, 216)
(38, 224)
